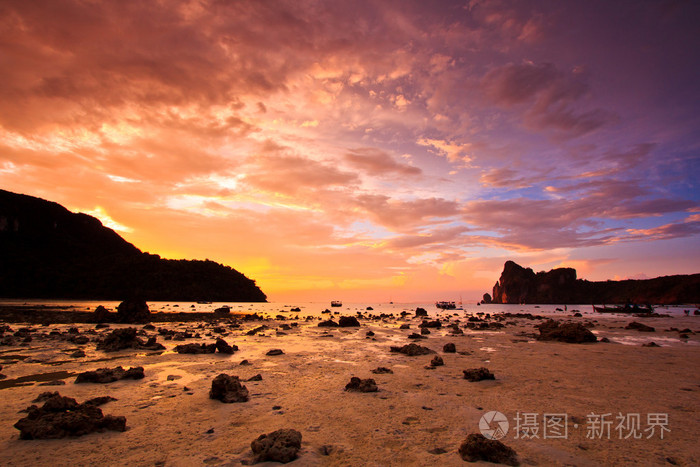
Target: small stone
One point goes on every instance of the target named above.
(412, 350)
(195, 348)
(228, 389)
(326, 450)
(382, 370)
(275, 352)
(437, 361)
(640, 327)
(361, 385)
(58, 382)
(478, 448)
(328, 324)
(478, 374)
(279, 446)
(100, 400)
(449, 348)
(223, 347)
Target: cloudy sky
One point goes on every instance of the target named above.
(365, 150)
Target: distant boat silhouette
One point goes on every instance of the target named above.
(336, 303)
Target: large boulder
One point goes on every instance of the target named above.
(228, 389)
(224, 347)
(478, 448)
(101, 314)
(60, 417)
(133, 311)
(421, 312)
(573, 333)
(348, 321)
(279, 446)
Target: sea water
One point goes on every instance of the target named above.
(317, 309)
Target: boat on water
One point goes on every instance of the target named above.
(444, 305)
(623, 309)
(336, 303)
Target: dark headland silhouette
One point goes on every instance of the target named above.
(560, 286)
(47, 251)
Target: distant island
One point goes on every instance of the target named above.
(560, 286)
(47, 251)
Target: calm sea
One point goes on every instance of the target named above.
(316, 308)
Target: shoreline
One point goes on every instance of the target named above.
(416, 413)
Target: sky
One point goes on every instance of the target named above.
(365, 150)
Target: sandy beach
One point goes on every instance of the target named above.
(419, 415)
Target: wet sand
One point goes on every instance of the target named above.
(173, 422)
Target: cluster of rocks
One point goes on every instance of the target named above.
(60, 417)
(108, 375)
(343, 322)
(220, 346)
(126, 338)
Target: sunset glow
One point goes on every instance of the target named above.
(371, 150)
